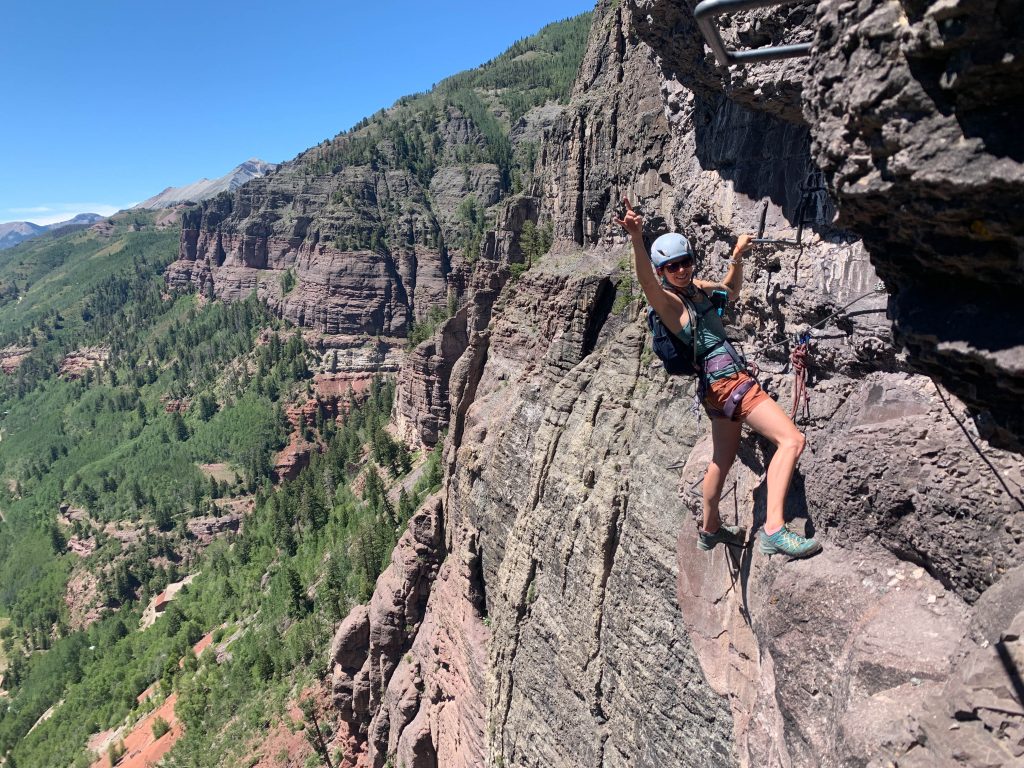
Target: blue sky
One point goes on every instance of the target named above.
(107, 103)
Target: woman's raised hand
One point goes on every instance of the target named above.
(631, 221)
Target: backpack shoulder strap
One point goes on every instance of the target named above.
(694, 327)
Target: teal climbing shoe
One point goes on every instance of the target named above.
(733, 535)
(785, 542)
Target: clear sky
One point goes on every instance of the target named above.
(106, 103)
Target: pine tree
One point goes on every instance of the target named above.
(297, 604)
(405, 506)
(162, 518)
(314, 733)
(178, 427)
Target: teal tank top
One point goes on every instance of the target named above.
(710, 335)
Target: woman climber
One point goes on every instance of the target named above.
(730, 396)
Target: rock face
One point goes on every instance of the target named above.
(571, 620)
(422, 399)
(364, 250)
(11, 357)
(913, 110)
(335, 292)
(353, 255)
(76, 363)
(422, 409)
(384, 688)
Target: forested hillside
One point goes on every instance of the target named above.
(493, 97)
(106, 467)
(148, 435)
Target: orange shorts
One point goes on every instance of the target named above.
(719, 391)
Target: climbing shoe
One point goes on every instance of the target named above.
(785, 542)
(733, 535)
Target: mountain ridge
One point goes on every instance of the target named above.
(204, 188)
(14, 232)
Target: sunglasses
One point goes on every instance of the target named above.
(680, 265)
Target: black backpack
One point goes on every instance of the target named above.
(678, 357)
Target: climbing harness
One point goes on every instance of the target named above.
(718, 358)
(680, 358)
(706, 13)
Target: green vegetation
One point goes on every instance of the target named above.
(114, 444)
(436, 316)
(424, 330)
(116, 751)
(6, 642)
(105, 463)
(626, 288)
(316, 734)
(533, 71)
(534, 242)
(160, 727)
(288, 281)
(314, 530)
(119, 445)
(52, 285)
(473, 222)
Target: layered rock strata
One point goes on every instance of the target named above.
(362, 254)
(353, 255)
(611, 641)
(405, 683)
(422, 411)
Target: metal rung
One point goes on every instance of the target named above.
(706, 13)
(761, 239)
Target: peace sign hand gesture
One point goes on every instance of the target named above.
(631, 221)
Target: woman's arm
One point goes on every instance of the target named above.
(733, 280)
(668, 307)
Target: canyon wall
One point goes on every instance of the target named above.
(350, 239)
(572, 620)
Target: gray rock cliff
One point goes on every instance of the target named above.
(914, 108)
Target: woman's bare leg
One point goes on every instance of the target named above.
(725, 438)
(769, 420)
